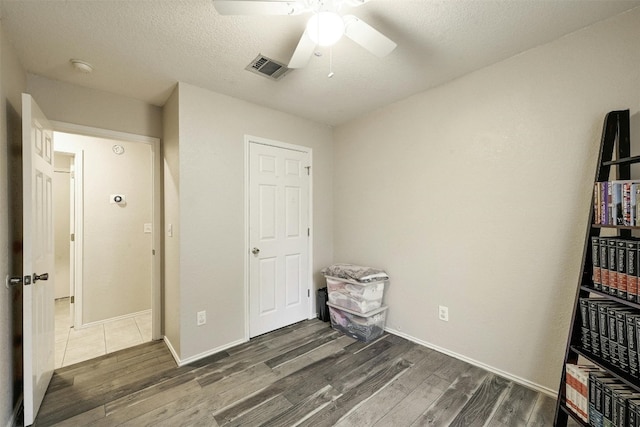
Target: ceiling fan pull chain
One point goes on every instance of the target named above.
(330, 62)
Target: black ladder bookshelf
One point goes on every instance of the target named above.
(615, 140)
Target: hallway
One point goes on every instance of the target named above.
(77, 346)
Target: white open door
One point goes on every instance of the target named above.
(38, 256)
(279, 278)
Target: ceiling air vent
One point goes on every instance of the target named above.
(267, 67)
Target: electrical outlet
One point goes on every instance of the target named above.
(202, 318)
(443, 313)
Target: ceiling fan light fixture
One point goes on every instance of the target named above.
(81, 66)
(325, 28)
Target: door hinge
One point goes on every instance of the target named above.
(308, 232)
(73, 299)
(308, 293)
(308, 168)
(153, 251)
(73, 175)
(73, 237)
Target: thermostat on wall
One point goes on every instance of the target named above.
(117, 199)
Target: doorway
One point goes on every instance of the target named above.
(113, 242)
(279, 234)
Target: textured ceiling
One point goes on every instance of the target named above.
(141, 48)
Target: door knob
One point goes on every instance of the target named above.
(43, 276)
(255, 251)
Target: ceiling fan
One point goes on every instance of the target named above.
(324, 28)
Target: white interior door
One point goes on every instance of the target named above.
(72, 244)
(38, 256)
(279, 278)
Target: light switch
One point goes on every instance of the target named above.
(170, 230)
(147, 227)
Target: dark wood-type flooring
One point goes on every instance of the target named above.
(306, 374)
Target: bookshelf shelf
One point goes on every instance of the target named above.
(613, 370)
(622, 161)
(617, 227)
(615, 298)
(614, 163)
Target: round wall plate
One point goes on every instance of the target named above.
(118, 149)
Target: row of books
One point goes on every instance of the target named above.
(617, 202)
(600, 399)
(616, 265)
(610, 330)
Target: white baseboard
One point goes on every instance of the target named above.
(114, 319)
(16, 411)
(529, 384)
(171, 349)
(202, 355)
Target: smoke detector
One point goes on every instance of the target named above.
(81, 66)
(267, 67)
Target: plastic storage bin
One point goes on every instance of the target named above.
(363, 327)
(355, 296)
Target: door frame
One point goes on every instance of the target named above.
(76, 192)
(156, 255)
(248, 140)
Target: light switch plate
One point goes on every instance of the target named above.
(147, 227)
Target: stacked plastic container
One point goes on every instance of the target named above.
(355, 308)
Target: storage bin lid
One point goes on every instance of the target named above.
(359, 273)
(355, 282)
(356, 313)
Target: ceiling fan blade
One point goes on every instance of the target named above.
(303, 52)
(249, 7)
(355, 3)
(367, 36)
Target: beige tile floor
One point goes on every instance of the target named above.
(73, 346)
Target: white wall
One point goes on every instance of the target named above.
(70, 103)
(117, 252)
(171, 179)
(62, 219)
(211, 191)
(12, 84)
(475, 195)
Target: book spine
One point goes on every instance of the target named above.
(596, 203)
(621, 335)
(585, 337)
(616, 203)
(626, 203)
(570, 387)
(603, 323)
(604, 206)
(637, 335)
(604, 264)
(610, 213)
(607, 404)
(595, 260)
(594, 326)
(598, 401)
(634, 203)
(621, 265)
(613, 269)
(637, 204)
(632, 343)
(614, 351)
(632, 271)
